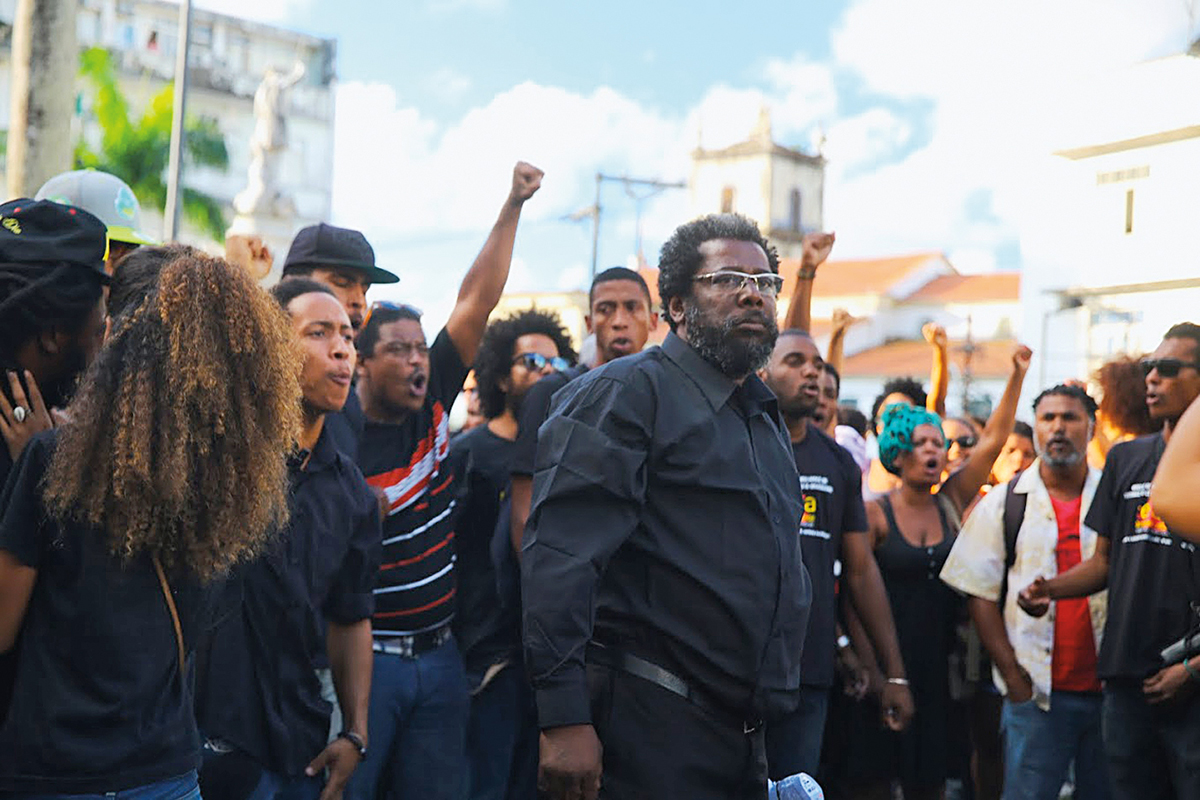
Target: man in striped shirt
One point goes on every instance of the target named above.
(419, 697)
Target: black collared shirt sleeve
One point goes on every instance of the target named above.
(350, 596)
(589, 488)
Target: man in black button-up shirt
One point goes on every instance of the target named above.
(664, 526)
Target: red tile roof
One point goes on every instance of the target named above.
(992, 359)
(864, 276)
(999, 287)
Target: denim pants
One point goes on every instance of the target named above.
(1153, 752)
(1040, 745)
(183, 787)
(417, 729)
(502, 738)
(794, 742)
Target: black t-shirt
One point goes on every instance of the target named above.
(488, 623)
(831, 489)
(408, 461)
(8, 661)
(99, 704)
(535, 408)
(256, 688)
(1152, 573)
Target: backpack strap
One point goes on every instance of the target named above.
(166, 590)
(1014, 515)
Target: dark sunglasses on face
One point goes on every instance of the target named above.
(536, 362)
(965, 442)
(767, 283)
(1167, 367)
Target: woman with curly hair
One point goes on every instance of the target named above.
(1123, 414)
(118, 525)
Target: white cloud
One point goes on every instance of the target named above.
(447, 84)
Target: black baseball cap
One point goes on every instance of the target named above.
(45, 232)
(323, 245)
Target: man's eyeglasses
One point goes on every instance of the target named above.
(1167, 367)
(767, 283)
(965, 442)
(536, 362)
(388, 305)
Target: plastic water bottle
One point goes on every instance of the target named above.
(800, 786)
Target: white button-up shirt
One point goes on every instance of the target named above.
(976, 567)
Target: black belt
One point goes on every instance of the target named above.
(641, 668)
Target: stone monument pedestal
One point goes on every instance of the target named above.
(276, 233)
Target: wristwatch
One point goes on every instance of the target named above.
(356, 740)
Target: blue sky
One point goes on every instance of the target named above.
(937, 113)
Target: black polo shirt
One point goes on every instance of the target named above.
(99, 704)
(257, 689)
(665, 508)
(8, 661)
(1153, 575)
(831, 490)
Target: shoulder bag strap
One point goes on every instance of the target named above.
(166, 591)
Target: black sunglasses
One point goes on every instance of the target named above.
(965, 442)
(1167, 367)
(536, 362)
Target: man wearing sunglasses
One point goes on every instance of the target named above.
(419, 693)
(665, 599)
(516, 353)
(1151, 710)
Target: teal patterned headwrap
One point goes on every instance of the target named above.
(899, 422)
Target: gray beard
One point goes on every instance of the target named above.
(716, 343)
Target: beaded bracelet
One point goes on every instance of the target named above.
(1191, 671)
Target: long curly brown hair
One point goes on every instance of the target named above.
(1123, 396)
(177, 441)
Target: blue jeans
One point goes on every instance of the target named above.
(417, 729)
(1153, 751)
(794, 742)
(183, 787)
(502, 738)
(1040, 745)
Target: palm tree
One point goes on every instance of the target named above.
(136, 151)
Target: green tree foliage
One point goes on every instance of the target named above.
(136, 151)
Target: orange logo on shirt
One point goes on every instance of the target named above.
(1147, 521)
(810, 511)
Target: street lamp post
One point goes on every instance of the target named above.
(175, 159)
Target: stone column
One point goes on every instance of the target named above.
(45, 60)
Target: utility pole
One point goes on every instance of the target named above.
(175, 159)
(628, 182)
(45, 59)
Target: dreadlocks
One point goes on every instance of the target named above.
(177, 441)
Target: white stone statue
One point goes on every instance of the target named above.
(263, 194)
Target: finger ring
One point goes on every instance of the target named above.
(19, 413)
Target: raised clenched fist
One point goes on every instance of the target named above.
(1022, 355)
(816, 248)
(934, 334)
(527, 179)
(842, 319)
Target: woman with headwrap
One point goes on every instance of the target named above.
(912, 528)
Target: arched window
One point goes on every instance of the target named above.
(727, 200)
(795, 215)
